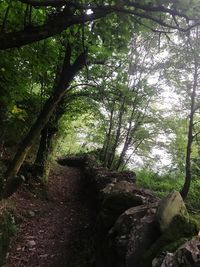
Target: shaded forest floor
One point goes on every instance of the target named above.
(57, 231)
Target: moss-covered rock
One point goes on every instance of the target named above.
(185, 255)
(169, 207)
(180, 230)
(7, 230)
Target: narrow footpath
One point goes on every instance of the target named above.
(57, 232)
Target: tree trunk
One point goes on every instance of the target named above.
(50, 28)
(112, 150)
(45, 141)
(47, 134)
(127, 140)
(107, 141)
(188, 173)
(67, 74)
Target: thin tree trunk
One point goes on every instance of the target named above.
(127, 140)
(131, 130)
(188, 173)
(112, 150)
(67, 74)
(108, 138)
(127, 160)
(6, 16)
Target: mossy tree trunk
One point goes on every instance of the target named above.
(45, 141)
(47, 135)
(63, 81)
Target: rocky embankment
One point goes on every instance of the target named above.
(133, 227)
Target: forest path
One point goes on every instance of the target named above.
(56, 232)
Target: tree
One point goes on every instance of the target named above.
(55, 19)
(75, 104)
(62, 82)
(26, 82)
(43, 19)
(183, 74)
(127, 106)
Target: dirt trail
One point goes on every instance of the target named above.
(56, 232)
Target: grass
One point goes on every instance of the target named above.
(163, 184)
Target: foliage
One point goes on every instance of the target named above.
(162, 184)
(26, 81)
(112, 103)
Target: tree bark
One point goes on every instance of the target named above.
(63, 20)
(188, 172)
(127, 140)
(50, 28)
(47, 134)
(67, 74)
(107, 140)
(45, 141)
(113, 148)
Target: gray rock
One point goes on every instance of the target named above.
(169, 207)
(188, 255)
(132, 235)
(144, 196)
(117, 197)
(31, 243)
(102, 176)
(31, 213)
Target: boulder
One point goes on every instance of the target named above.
(117, 197)
(102, 176)
(169, 207)
(73, 161)
(133, 233)
(188, 255)
(143, 196)
(135, 239)
(178, 232)
(128, 175)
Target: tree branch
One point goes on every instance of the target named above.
(62, 20)
(43, 3)
(51, 28)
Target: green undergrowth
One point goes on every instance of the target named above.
(196, 217)
(7, 229)
(165, 183)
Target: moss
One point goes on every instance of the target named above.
(196, 218)
(180, 229)
(171, 247)
(7, 230)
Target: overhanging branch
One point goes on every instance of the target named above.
(62, 20)
(51, 28)
(45, 3)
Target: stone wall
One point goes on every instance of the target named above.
(133, 227)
